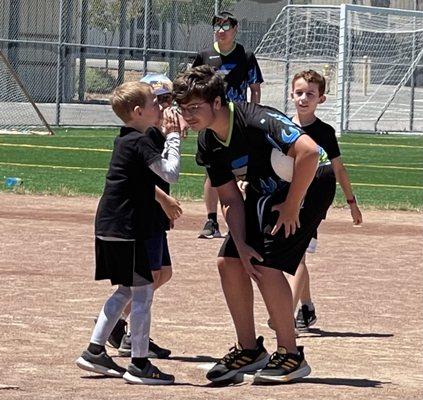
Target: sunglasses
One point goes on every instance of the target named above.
(225, 27)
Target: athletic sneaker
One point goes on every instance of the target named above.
(149, 375)
(117, 333)
(100, 364)
(124, 349)
(305, 318)
(239, 360)
(284, 367)
(210, 230)
(154, 351)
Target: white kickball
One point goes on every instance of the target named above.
(282, 165)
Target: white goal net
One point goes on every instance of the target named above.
(18, 113)
(371, 58)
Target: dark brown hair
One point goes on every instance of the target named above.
(202, 82)
(311, 76)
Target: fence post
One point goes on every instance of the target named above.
(365, 74)
(287, 53)
(147, 29)
(59, 82)
(414, 74)
(217, 5)
(340, 101)
(122, 34)
(83, 50)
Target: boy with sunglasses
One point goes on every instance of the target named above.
(241, 71)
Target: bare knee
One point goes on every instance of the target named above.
(230, 268)
(166, 274)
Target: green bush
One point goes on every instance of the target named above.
(99, 81)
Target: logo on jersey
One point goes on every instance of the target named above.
(213, 57)
(291, 132)
(225, 69)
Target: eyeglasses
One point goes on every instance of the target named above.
(225, 27)
(191, 109)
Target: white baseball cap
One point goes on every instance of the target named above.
(161, 83)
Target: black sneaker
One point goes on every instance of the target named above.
(239, 360)
(210, 230)
(149, 375)
(100, 364)
(284, 367)
(124, 349)
(305, 318)
(154, 351)
(117, 333)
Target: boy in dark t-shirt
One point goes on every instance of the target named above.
(308, 88)
(241, 71)
(123, 223)
(271, 229)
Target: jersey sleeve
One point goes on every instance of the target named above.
(198, 60)
(281, 132)
(254, 72)
(332, 146)
(218, 172)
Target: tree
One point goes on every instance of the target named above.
(104, 15)
(189, 13)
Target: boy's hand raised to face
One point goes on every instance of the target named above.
(171, 122)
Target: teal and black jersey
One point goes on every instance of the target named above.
(239, 67)
(246, 154)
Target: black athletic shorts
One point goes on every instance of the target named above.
(158, 252)
(277, 251)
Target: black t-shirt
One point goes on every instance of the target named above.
(239, 67)
(124, 209)
(160, 216)
(256, 130)
(324, 135)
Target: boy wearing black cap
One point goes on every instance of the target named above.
(240, 70)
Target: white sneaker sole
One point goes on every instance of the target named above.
(248, 368)
(98, 369)
(299, 373)
(136, 380)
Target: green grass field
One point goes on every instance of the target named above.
(386, 170)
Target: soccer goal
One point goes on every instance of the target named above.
(18, 112)
(371, 58)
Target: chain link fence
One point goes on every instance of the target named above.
(70, 54)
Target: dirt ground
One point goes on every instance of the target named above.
(367, 285)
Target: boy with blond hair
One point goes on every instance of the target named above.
(123, 225)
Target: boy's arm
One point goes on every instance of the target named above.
(233, 210)
(167, 167)
(255, 93)
(344, 181)
(306, 155)
(170, 206)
